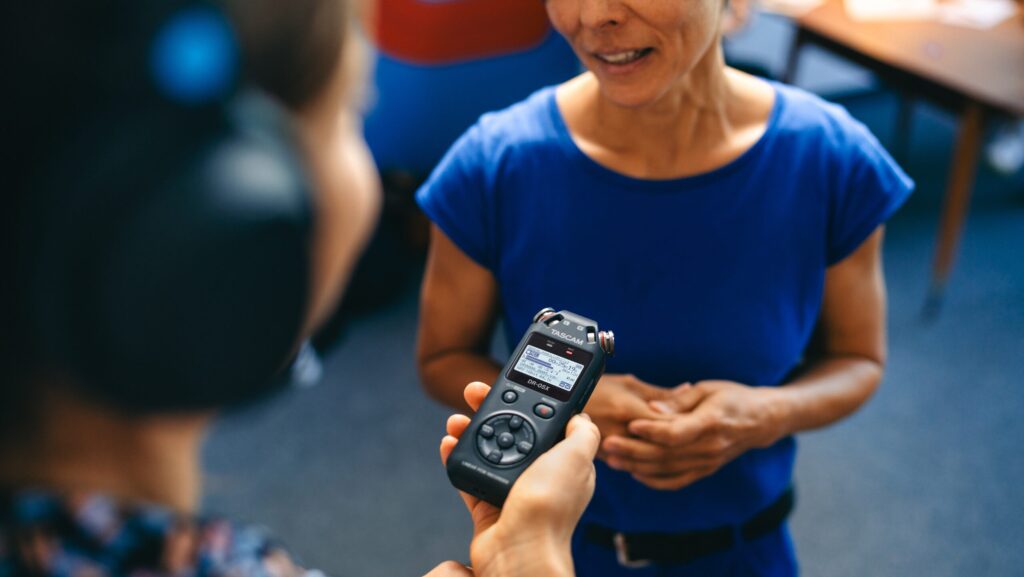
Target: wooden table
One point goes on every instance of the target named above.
(974, 73)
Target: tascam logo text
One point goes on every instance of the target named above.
(568, 337)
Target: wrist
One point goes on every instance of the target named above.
(522, 557)
(780, 408)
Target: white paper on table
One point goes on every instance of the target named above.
(891, 9)
(980, 14)
(791, 8)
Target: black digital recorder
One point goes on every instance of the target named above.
(548, 379)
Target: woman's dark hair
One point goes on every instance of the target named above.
(55, 51)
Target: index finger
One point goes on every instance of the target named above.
(680, 430)
(684, 399)
(635, 449)
(635, 407)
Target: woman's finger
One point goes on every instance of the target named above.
(674, 482)
(669, 468)
(634, 449)
(684, 398)
(675, 432)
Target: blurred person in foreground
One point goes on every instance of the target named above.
(727, 228)
(120, 110)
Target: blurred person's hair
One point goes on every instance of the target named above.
(57, 49)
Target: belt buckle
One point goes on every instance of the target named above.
(622, 554)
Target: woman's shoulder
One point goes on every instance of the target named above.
(526, 123)
(102, 536)
(805, 116)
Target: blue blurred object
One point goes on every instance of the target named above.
(195, 57)
(307, 369)
(421, 109)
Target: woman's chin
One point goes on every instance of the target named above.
(634, 97)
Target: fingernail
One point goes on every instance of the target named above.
(614, 464)
(585, 416)
(661, 407)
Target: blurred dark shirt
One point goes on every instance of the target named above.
(43, 534)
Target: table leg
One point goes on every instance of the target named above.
(793, 59)
(901, 138)
(958, 196)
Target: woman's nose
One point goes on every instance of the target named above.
(602, 14)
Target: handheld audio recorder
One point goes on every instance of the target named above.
(548, 379)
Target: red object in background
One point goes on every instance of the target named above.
(443, 32)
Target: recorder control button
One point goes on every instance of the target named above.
(509, 396)
(543, 410)
(506, 440)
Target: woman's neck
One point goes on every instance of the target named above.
(706, 118)
(702, 92)
(74, 445)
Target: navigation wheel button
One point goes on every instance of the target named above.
(506, 440)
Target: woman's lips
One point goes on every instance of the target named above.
(622, 61)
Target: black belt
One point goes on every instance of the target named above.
(640, 549)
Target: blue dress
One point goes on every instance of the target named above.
(714, 276)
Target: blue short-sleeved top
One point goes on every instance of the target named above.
(715, 276)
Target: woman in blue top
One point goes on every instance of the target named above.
(726, 228)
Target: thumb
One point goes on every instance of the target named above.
(570, 463)
(582, 438)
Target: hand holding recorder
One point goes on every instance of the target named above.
(530, 535)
